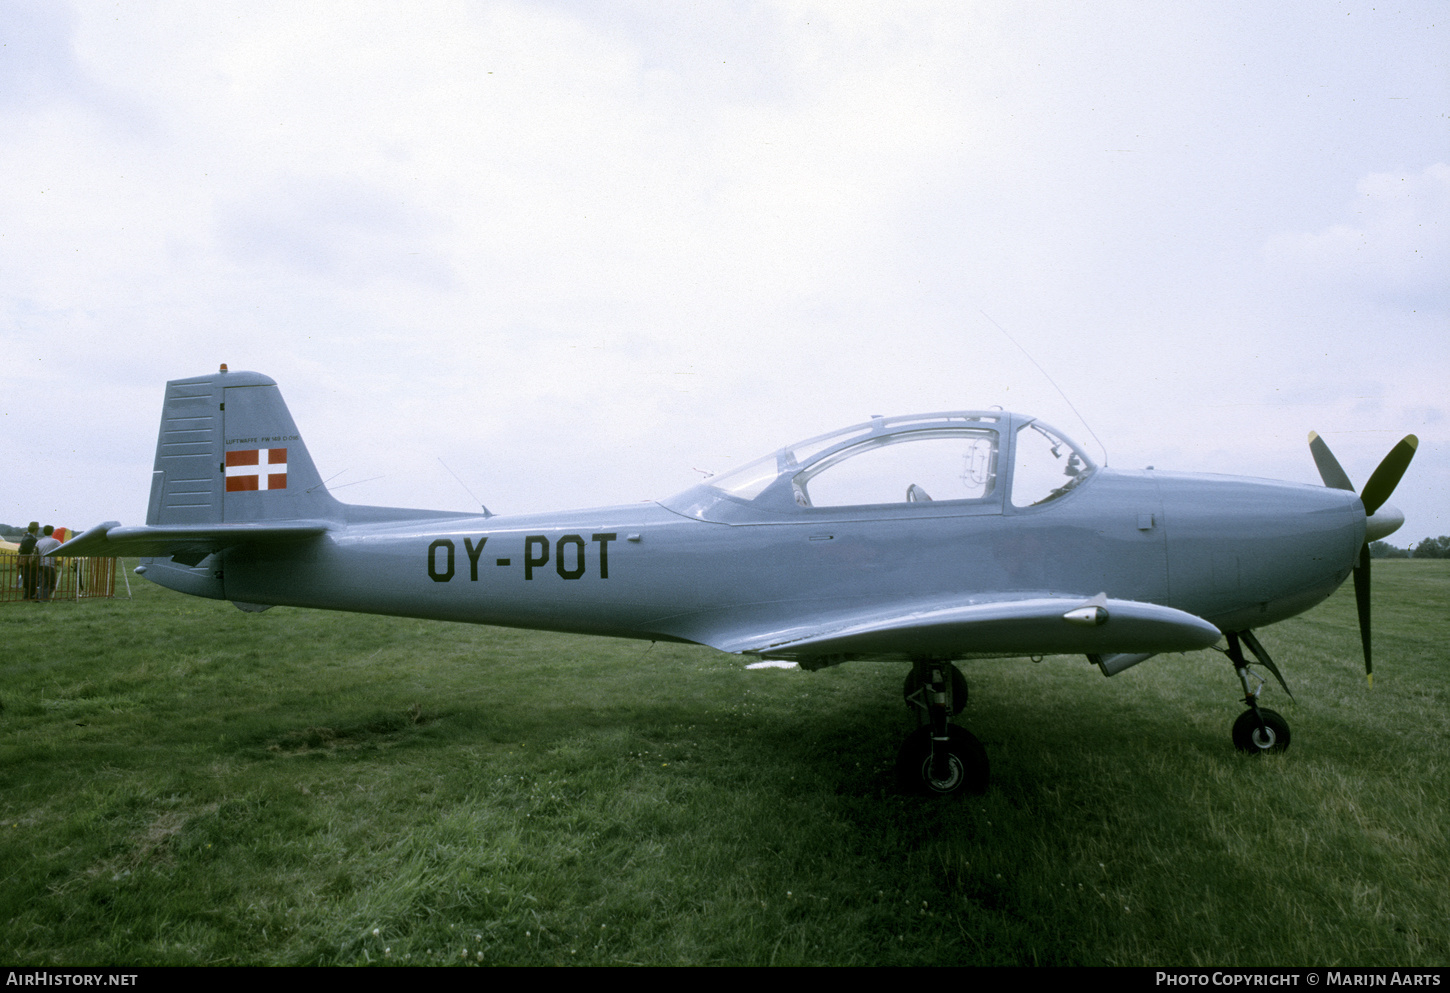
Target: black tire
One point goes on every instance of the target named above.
(968, 771)
(1249, 738)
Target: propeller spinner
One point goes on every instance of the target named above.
(1381, 519)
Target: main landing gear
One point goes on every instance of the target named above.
(1257, 729)
(940, 758)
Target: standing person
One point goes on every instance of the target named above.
(43, 548)
(26, 555)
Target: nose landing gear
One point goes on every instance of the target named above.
(1257, 729)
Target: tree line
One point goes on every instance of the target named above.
(1430, 548)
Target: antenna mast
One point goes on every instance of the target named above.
(1052, 381)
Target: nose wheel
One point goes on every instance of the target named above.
(1264, 731)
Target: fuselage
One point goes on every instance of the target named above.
(1237, 552)
(912, 526)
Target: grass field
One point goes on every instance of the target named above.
(182, 783)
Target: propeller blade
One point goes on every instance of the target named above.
(1329, 469)
(1381, 484)
(1387, 476)
(1361, 603)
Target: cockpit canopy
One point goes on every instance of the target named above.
(958, 458)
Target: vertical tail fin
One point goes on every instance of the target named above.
(231, 469)
(228, 452)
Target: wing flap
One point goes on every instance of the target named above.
(184, 542)
(1039, 625)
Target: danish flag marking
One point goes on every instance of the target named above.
(256, 469)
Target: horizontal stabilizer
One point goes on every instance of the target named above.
(1035, 625)
(187, 543)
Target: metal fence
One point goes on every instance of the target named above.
(68, 579)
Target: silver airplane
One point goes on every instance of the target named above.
(925, 540)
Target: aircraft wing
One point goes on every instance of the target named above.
(1034, 625)
(186, 543)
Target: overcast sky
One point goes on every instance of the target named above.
(583, 253)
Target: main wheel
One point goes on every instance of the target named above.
(966, 769)
(1249, 737)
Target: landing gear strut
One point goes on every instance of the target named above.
(940, 758)
(1257, 729)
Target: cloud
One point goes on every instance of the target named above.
(334, 229)
(577, 249)
(37, 61)
(1396, 247)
